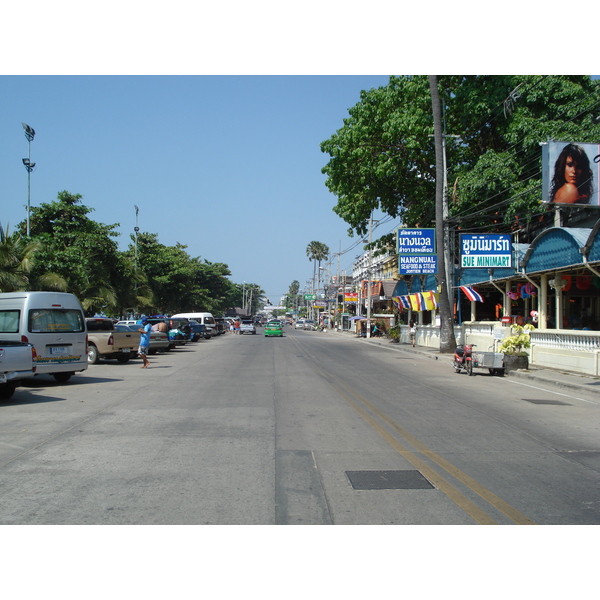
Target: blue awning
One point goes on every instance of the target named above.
(556, 248)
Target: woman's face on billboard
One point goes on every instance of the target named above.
(572, 173)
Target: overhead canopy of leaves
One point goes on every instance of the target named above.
(383, 157)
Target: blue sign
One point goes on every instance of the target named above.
(422, 264)
(486, 251)
(415, 241)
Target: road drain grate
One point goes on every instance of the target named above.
(388, 480)
(552, 402)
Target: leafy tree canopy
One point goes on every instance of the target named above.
(384, 158)
(80, 250)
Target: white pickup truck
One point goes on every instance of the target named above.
(17, 361)
(105, 342)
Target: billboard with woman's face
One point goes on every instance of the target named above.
(571, 173)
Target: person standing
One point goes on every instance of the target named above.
(145, 330)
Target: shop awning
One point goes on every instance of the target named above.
(556, 248)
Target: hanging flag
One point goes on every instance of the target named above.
(431, 302)
(397, 303)
(471, 293)
(405, 301)
(414, 302)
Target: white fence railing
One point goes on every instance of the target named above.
(581, 341)
(556, 348)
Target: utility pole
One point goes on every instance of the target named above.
(369, 277)
(447, 338)
(337, 289)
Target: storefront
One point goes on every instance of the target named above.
(555, 282)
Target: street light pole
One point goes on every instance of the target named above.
(136, 229)
(29, 134)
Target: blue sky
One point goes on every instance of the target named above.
(209, 117)
(228, 165)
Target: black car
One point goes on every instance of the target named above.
(198, 331)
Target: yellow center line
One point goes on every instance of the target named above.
(464, 503)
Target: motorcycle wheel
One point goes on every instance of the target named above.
(469, 368)
(456, 366)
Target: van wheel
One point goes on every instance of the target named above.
(93, 356)
(123, 359)
(207, 337)
(62, 377)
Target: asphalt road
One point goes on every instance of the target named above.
(310, 428)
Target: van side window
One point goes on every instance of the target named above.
(54, 320)
(9, 321)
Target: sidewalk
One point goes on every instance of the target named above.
(561, 379)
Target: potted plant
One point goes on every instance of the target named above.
(394, 334)
(513, 347)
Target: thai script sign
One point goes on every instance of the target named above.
(486, 251)
(415, 241)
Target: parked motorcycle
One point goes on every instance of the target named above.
(463, 359)
(467, 360)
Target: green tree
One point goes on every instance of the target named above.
(181, 283)
(384, 155)
(495, 172)
(291, 298)
(17, 258)
(317, 251)
(77, 248)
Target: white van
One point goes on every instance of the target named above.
(204, 318)
(54, 323)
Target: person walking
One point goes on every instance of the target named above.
(145, 330)
(412, 333)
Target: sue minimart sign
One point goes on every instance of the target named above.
(485, 251)
(416, 251)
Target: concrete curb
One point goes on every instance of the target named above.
(560, 379)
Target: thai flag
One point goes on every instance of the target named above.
(405, 301)
(420, 301)
(471, 293)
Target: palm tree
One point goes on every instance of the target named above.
(317, 251)
(17, 258)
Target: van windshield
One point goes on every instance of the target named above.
(55, 320)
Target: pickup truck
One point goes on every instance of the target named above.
(105, 342)
(17, 361)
